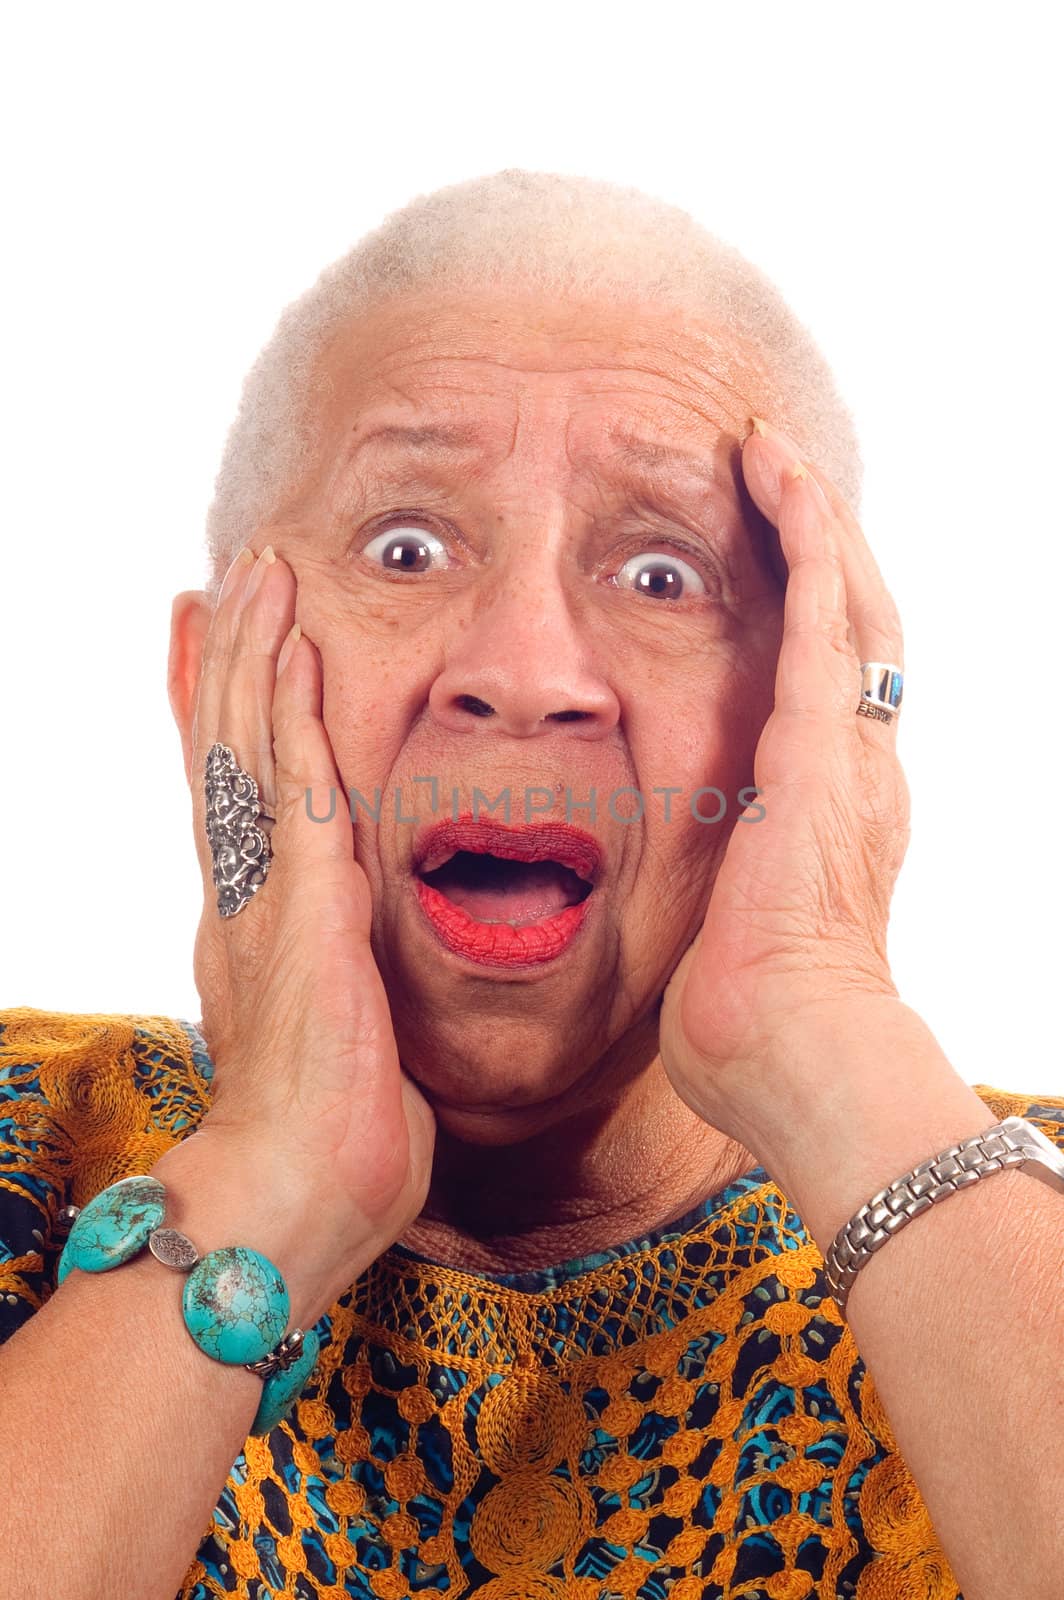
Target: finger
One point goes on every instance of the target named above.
(245, 721)
(875, 627)
(216, 651)
(214, 666)
(874, 617)
(325, 890)
(313, 818)
(768, 457)
(873, 613)
(817, 673)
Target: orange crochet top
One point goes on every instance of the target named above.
(681, 1416)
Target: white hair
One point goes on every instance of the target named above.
(564, 236)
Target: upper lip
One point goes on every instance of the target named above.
(534, 841)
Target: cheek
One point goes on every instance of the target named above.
(700, 735)
(744, 694)
(739, 716)
(700, 725)
(365, 709)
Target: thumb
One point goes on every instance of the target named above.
(421, 1122)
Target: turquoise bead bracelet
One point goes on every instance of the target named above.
(235, 1301)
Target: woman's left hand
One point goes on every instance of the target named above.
(797, 921)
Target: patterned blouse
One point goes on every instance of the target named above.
(681, 1416)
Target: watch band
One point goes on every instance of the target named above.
(1015, 1142)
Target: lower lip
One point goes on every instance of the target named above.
(497, 944)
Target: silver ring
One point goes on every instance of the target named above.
(881, 688)
(240, 847)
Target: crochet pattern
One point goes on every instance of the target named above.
(681, 1416)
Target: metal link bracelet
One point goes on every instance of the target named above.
(1015, 1142)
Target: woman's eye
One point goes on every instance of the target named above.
(663, 577)
(406, 550)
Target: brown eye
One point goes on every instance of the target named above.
(660, 576)
(406, 550)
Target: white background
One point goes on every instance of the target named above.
(175, 176)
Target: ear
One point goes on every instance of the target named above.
(189, 620)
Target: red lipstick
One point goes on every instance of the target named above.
(504, 895)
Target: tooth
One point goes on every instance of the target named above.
(439, 859)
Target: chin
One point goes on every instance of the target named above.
(491, 1126)
(504, 1084)
(496, 1084)
(495, 1076)
(521, 1081)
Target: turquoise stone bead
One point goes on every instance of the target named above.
(281, 1390)
(66, 1264)
(236, 1305)
(114, 1225)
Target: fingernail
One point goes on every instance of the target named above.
(285, 653)
(777, 438)
(239, 564)
(800, 471)
(259, 572)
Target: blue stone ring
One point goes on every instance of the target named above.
(881, 684)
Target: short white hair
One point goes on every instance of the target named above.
(564, 236)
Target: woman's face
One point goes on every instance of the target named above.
(548, 565)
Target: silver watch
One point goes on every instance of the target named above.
(1015, 1142)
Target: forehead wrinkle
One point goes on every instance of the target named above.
(449, 442)
(688, 353)
(682, 365)
(641, 468)
(392, 455)
(429, 457)
(426, 439)
(655, 456)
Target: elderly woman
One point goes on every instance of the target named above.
(552, 1093)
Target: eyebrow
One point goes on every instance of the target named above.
(437, 439)
(442, 440)
(654, 457)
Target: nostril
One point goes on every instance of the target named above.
(479, 708)
(568, 716)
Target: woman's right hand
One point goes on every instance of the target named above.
(309, 1102)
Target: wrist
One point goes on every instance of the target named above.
(240, 1305)
(862, 1093)
(828, 1048)
(220, 1198)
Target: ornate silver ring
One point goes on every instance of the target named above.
(240, 846)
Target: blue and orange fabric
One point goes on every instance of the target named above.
(681, 1416)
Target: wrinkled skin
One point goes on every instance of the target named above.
(557, 1128)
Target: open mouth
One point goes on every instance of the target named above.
(503, 895)
(492, 889)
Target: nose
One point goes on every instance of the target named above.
(523, 665)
